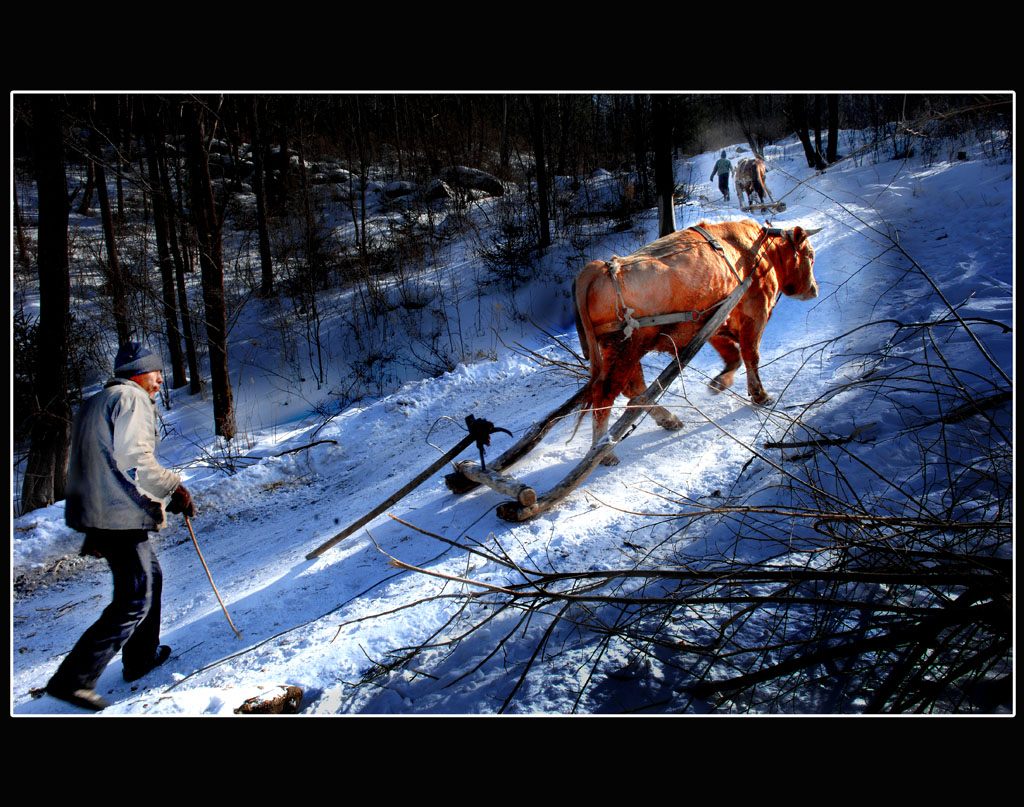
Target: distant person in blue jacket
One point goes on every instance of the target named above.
(723, 168)
(115, 494)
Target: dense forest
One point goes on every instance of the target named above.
(165, 175)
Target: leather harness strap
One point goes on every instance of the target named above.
(717, 248)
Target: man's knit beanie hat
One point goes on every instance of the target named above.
(134, 359)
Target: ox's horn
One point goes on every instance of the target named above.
(815, 231)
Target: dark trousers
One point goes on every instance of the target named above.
(131, 623)
(723, 185)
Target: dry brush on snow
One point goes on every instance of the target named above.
(854, 566)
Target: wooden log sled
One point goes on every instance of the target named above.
(764, 207)
(458, 482)
(519, 510)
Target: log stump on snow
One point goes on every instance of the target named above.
(279, 700)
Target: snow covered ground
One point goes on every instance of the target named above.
(300, 474)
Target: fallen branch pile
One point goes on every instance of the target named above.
(884, 630)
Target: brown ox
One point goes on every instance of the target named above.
(683, 272)
(750, 180)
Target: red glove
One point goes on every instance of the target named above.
(181, 502)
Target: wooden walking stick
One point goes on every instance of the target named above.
(203, 560)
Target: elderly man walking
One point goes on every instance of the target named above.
(116, 492)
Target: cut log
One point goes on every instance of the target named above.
(279, 700)
(523, 494)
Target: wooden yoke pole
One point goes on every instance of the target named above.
(466, 441)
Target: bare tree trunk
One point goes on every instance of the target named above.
(161, 226)
(749, 112)
(664, 178)
(833, 129)
(505, 151)
(398, 134)
(90, 185)
(187, 329)
(259, 188)
(798, 115)
(122, 151)
(23, 256)
(364, 173)
(639, 132)
(46, 467)
(542, 170)
(817, 125)
(211, 262)
(278, 196)
(314, 264)
(115, 279)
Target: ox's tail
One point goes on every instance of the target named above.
(585, 329)
(759, 183)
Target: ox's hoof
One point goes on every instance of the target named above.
(762, 400)
(666, 419)
(717, 385)
(611, 460)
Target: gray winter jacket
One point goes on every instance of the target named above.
(114, 479)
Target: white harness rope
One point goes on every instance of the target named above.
(624, 313)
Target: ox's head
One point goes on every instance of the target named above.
(797, 276)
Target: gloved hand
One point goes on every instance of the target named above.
(181, 502)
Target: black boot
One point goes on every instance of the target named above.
(86, 698)
(163, 652)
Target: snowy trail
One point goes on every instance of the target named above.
(291, 516)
